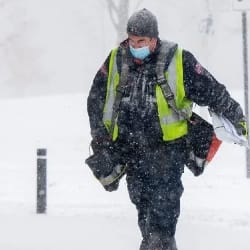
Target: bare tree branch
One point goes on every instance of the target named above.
(119, 14)
(112, 5)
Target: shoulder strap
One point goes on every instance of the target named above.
(167, 51)
(165, 56)
(120, 88)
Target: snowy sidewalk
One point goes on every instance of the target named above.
(96, 231)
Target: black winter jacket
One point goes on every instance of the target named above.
(139, 121)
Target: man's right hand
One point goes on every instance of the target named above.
(100, 143)
(112, 187)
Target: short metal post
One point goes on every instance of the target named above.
(41, 180)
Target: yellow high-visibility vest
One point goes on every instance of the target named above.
(172, 124)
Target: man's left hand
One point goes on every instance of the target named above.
(241, 128)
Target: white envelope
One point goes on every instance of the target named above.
(225, 131)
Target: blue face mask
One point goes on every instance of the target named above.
(140, 53)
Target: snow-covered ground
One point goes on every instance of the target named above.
(81, 215)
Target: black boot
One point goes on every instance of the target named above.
(157, 242)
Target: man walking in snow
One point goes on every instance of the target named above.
(139, 108)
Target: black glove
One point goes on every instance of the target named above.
(102, 143)
(112, 187)
(105, 164)
(241, 127)
(101, 163)
(105, 170)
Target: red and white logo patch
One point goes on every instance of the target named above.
(198, 68)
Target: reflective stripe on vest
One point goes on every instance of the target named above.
(113, 81)
(172, 124)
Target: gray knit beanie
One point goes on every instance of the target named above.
(143, 23)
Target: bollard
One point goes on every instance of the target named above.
(41, 181)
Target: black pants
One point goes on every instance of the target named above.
(155, 187)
